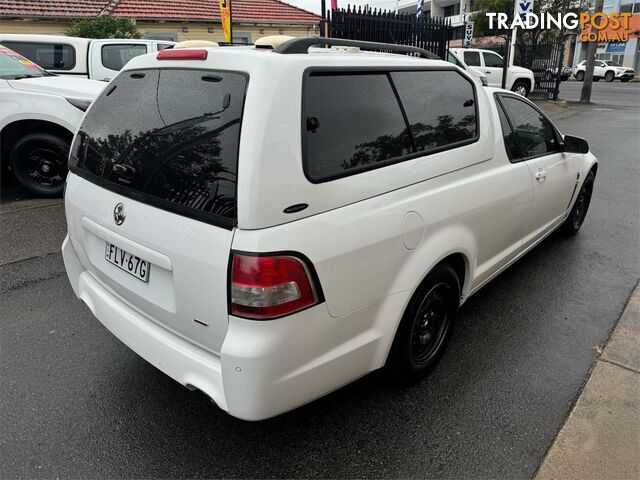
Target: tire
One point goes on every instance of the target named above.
(580, 76)
(609, 76)
(625, 80)
(521, 87)
(39, 163)
(576, 217)
(419, 344)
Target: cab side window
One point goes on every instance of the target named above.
(534, 134)
(492, 60)
(116, 56)
(472, 59)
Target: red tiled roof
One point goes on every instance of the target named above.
(254, 11)
(52, 8)
(269, 11)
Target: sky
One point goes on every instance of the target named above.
(314, 5)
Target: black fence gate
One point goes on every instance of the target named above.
(545, 60)
(431, 34)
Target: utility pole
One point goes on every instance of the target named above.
(323, 17)
(585, 95)
(510, 44)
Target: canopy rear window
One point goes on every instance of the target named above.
(168, 138)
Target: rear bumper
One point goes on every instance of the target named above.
(159, 346)
(264, 368)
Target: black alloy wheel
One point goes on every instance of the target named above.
(39, 163)
(426, 326)
(578, 213)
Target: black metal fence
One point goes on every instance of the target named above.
(544, 60)
(432, 34)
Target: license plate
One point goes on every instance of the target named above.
(126, 261)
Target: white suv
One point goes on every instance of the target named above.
(267, 226)
(39, 116)
(519, 79)
(606, 69)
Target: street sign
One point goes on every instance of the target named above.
(523, 8)
(468, 34)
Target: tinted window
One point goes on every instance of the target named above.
(440, 107)
(169, 138)
(534, 133)
(507, 134)
(353, 122)
(48, 56)
(472, 59)
(492, 60)
(115, 57)
(451, 58)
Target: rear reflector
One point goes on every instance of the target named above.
(266, 287)
(182, 54)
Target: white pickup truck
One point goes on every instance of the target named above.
(520, 80)
(82, 57)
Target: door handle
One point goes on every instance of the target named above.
(541, 175)
(488, 71)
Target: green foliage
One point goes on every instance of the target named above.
(104, 27)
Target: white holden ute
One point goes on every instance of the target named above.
(39, 114)
(268, 225)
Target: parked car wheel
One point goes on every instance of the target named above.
(578, 213)
(580, 76)
(609, 76)
(521, 87)
(39, 163)
(426, 326)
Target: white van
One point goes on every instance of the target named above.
(84, 57)
(267, 226)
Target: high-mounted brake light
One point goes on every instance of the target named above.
(182, 54)
(266, 287)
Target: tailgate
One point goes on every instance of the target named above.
(187, 260)
(150, 201)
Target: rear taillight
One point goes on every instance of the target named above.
(270, 286)
(182, 54)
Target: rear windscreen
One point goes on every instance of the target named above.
(168, 138)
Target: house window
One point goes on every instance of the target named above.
(451, 10)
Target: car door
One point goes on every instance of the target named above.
(107, 57)
(599, 69)
(493, 63)
(554, 174)
(472, 59)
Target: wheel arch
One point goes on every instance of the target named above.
(14, 131)
(524, 79)
(455, 246)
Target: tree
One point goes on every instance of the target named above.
(585, 94)
(104, 27)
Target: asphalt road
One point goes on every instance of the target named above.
(613, 93)
(76, 402)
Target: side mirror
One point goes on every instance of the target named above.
(575, 144)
